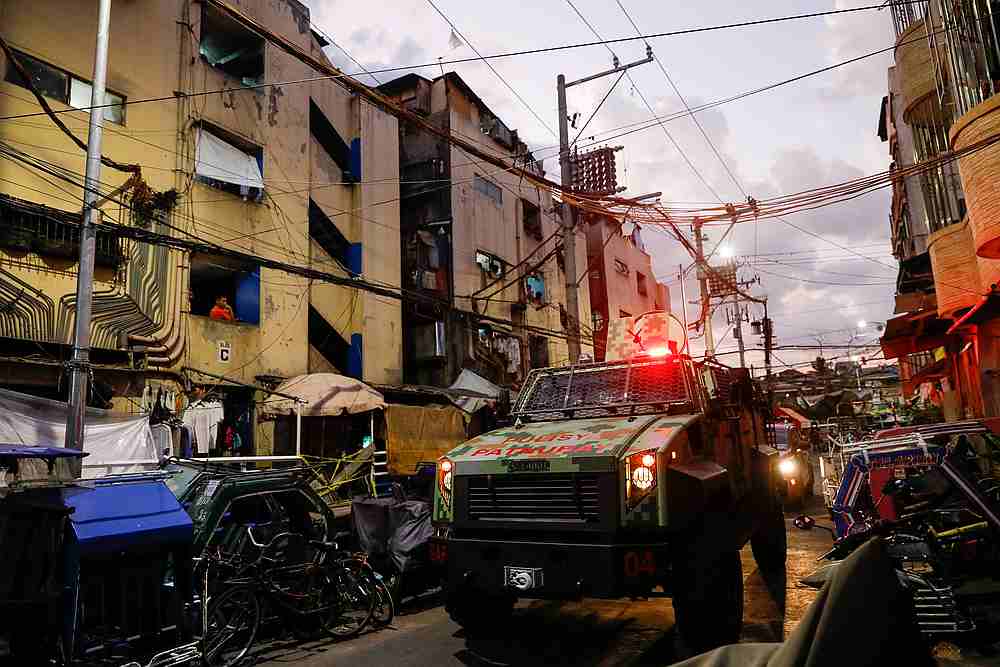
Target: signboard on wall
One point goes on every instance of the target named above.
(225, 352)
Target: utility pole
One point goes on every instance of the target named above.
(79, 365)
(567, 212)
(737, 317)
(768, 345)
(706, 301)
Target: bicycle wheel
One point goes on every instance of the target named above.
(349, 599)
(233, 621)
(385, 608)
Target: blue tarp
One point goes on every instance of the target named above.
(131, 515)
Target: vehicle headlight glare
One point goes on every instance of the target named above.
(642, 478)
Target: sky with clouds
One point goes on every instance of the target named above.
(815, 132)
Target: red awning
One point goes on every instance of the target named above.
(913, 332)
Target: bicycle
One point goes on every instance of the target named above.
(385, 607)
(308, 592)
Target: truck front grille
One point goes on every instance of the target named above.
(568, 498)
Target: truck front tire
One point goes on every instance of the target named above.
(770, 543)
(708, 599)
(476, 611)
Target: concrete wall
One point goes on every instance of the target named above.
(151, 55)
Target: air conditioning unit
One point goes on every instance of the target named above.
(429, 341)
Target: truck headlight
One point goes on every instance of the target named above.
(640, 477)
(446, 471)
(788, 467)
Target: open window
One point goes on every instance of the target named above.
(60, 85)
(640, 283)
(534, 287)
(228, 46)
(532, 220)
(224, 162)
(491, 265)
(217, 282)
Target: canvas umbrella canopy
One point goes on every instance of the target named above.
(323, 395)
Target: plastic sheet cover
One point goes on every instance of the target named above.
(115, 444)
(399, 529)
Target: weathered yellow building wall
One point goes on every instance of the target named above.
(153, 52)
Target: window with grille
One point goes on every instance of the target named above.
(49, 232)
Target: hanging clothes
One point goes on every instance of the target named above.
(203, 418)
(513, 350)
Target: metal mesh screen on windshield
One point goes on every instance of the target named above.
(597, 390)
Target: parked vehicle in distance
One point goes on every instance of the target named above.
(794, 465)
(647, 471)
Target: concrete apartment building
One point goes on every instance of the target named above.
(305, 174)
(620, 275)
(479, 246)
(946, 230)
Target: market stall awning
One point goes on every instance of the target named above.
(913, 332)
(793, 416)
(322, 395)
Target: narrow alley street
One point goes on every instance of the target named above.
(588, 633)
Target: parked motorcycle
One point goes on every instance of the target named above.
(945, 543)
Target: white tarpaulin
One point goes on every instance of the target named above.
(471, 381)
(221, 161)
(115, 444)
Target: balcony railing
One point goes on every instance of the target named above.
(29, 227)
(905, 14)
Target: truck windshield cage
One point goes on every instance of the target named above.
(604, 389)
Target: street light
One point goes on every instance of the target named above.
(726, 252)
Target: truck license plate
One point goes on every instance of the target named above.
(529, 466)
(523, 578)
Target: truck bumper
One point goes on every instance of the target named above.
(555, 570)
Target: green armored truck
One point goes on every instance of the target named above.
(640, 476)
